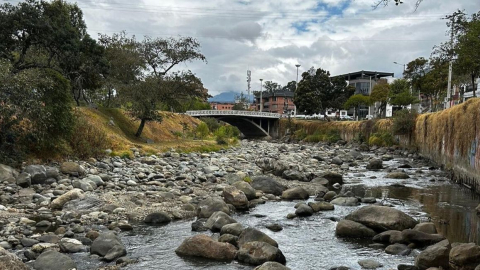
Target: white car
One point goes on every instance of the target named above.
(346, 117)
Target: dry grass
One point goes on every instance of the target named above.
(121, 135)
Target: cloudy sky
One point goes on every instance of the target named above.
(269, 37)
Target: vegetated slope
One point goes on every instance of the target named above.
(120, 129)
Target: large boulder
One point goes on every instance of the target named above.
(246, 188)
(69, 196)
(348, 228)
(304, 211)
(464, 257)
(426, 227)
(294, 175)
(382, 218)
(257, 253)
(421, 239)
(9, 261)
(398, 249)
(24, 180)
(54, 260)
(345, 201)
(434, 256)
(321, 206)
(7, 173)
(296, 193)
(72, 168)
(109, 246)
(375, 164)
(251, 235)
(217, 220)
(204, 246)
(235, 197)
(233, 229)
(157, 218)
(272, 266)
(268, 185)
(210, 205)
(273, 165)
(84, 184)
(38, 173)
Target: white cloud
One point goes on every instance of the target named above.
(338, 35)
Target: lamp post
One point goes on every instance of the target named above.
(404, 65)
(261, 96)
(296, 86)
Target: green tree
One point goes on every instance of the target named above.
(317, 92)
(400, 93)
(356, 101)
(202, 130)
(415, 72)
(241, 102)
(270, 86)
(291, 86)
(468, 51)
(380, 94)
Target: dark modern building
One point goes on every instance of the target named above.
(364, 81)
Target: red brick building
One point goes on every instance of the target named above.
(276, 102)
(222, 106)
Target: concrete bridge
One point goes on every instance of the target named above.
(251, 124)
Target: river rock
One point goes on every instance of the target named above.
(294, 175)
(268, 185)
(257, 253)
(232, 228)
(304, 211)
(321, 206)
(426, 227)
(345, 201)
(329, 195)
(69, 245)
(375, 164)
(204, 246)
(272, 266)
(382, 218)
(369, 264)
(246, 188)
(72, 168)
(296, 193)
(84, 184)
(398, 249)
(157, 218)
(397, 175)
(38, 173)
(464, 257)
(333, 178)
(217, 220)
(235, 197)
(210, 205)
(70, 195)
(389, 237)
(7, 173)
(251, 235)
(24, 180)
(228, 238)
(352, 229)
(434, 256)
(421, 239)
(274, 227)
(52, 259)
(109, 246)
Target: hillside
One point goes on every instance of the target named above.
(119, 129)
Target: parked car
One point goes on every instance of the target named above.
(346, 117)
(369, 117)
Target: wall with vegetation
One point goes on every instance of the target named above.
(450, 137)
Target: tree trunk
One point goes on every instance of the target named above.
(473, 84)
(140, 128)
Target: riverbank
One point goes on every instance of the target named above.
(118, 194)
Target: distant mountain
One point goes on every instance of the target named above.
(226, 97)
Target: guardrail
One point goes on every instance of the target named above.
(233, 113)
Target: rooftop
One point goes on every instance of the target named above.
(364, 74)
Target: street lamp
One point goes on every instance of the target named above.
(404, 65)
(297, 65)
(261, 96)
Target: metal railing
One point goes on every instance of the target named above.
(233, 113)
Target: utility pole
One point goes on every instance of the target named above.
(249, 79)
(450, 63)
(296, 86)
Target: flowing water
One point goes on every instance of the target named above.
(310, 243)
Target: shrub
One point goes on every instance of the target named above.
(300, 134)
(87, 140)
(404, 122)
(202, 130)
(225, 133)
(247, 179)
(177, 134)
(381, 139)
(212, 123)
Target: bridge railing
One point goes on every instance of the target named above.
(233, 113)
